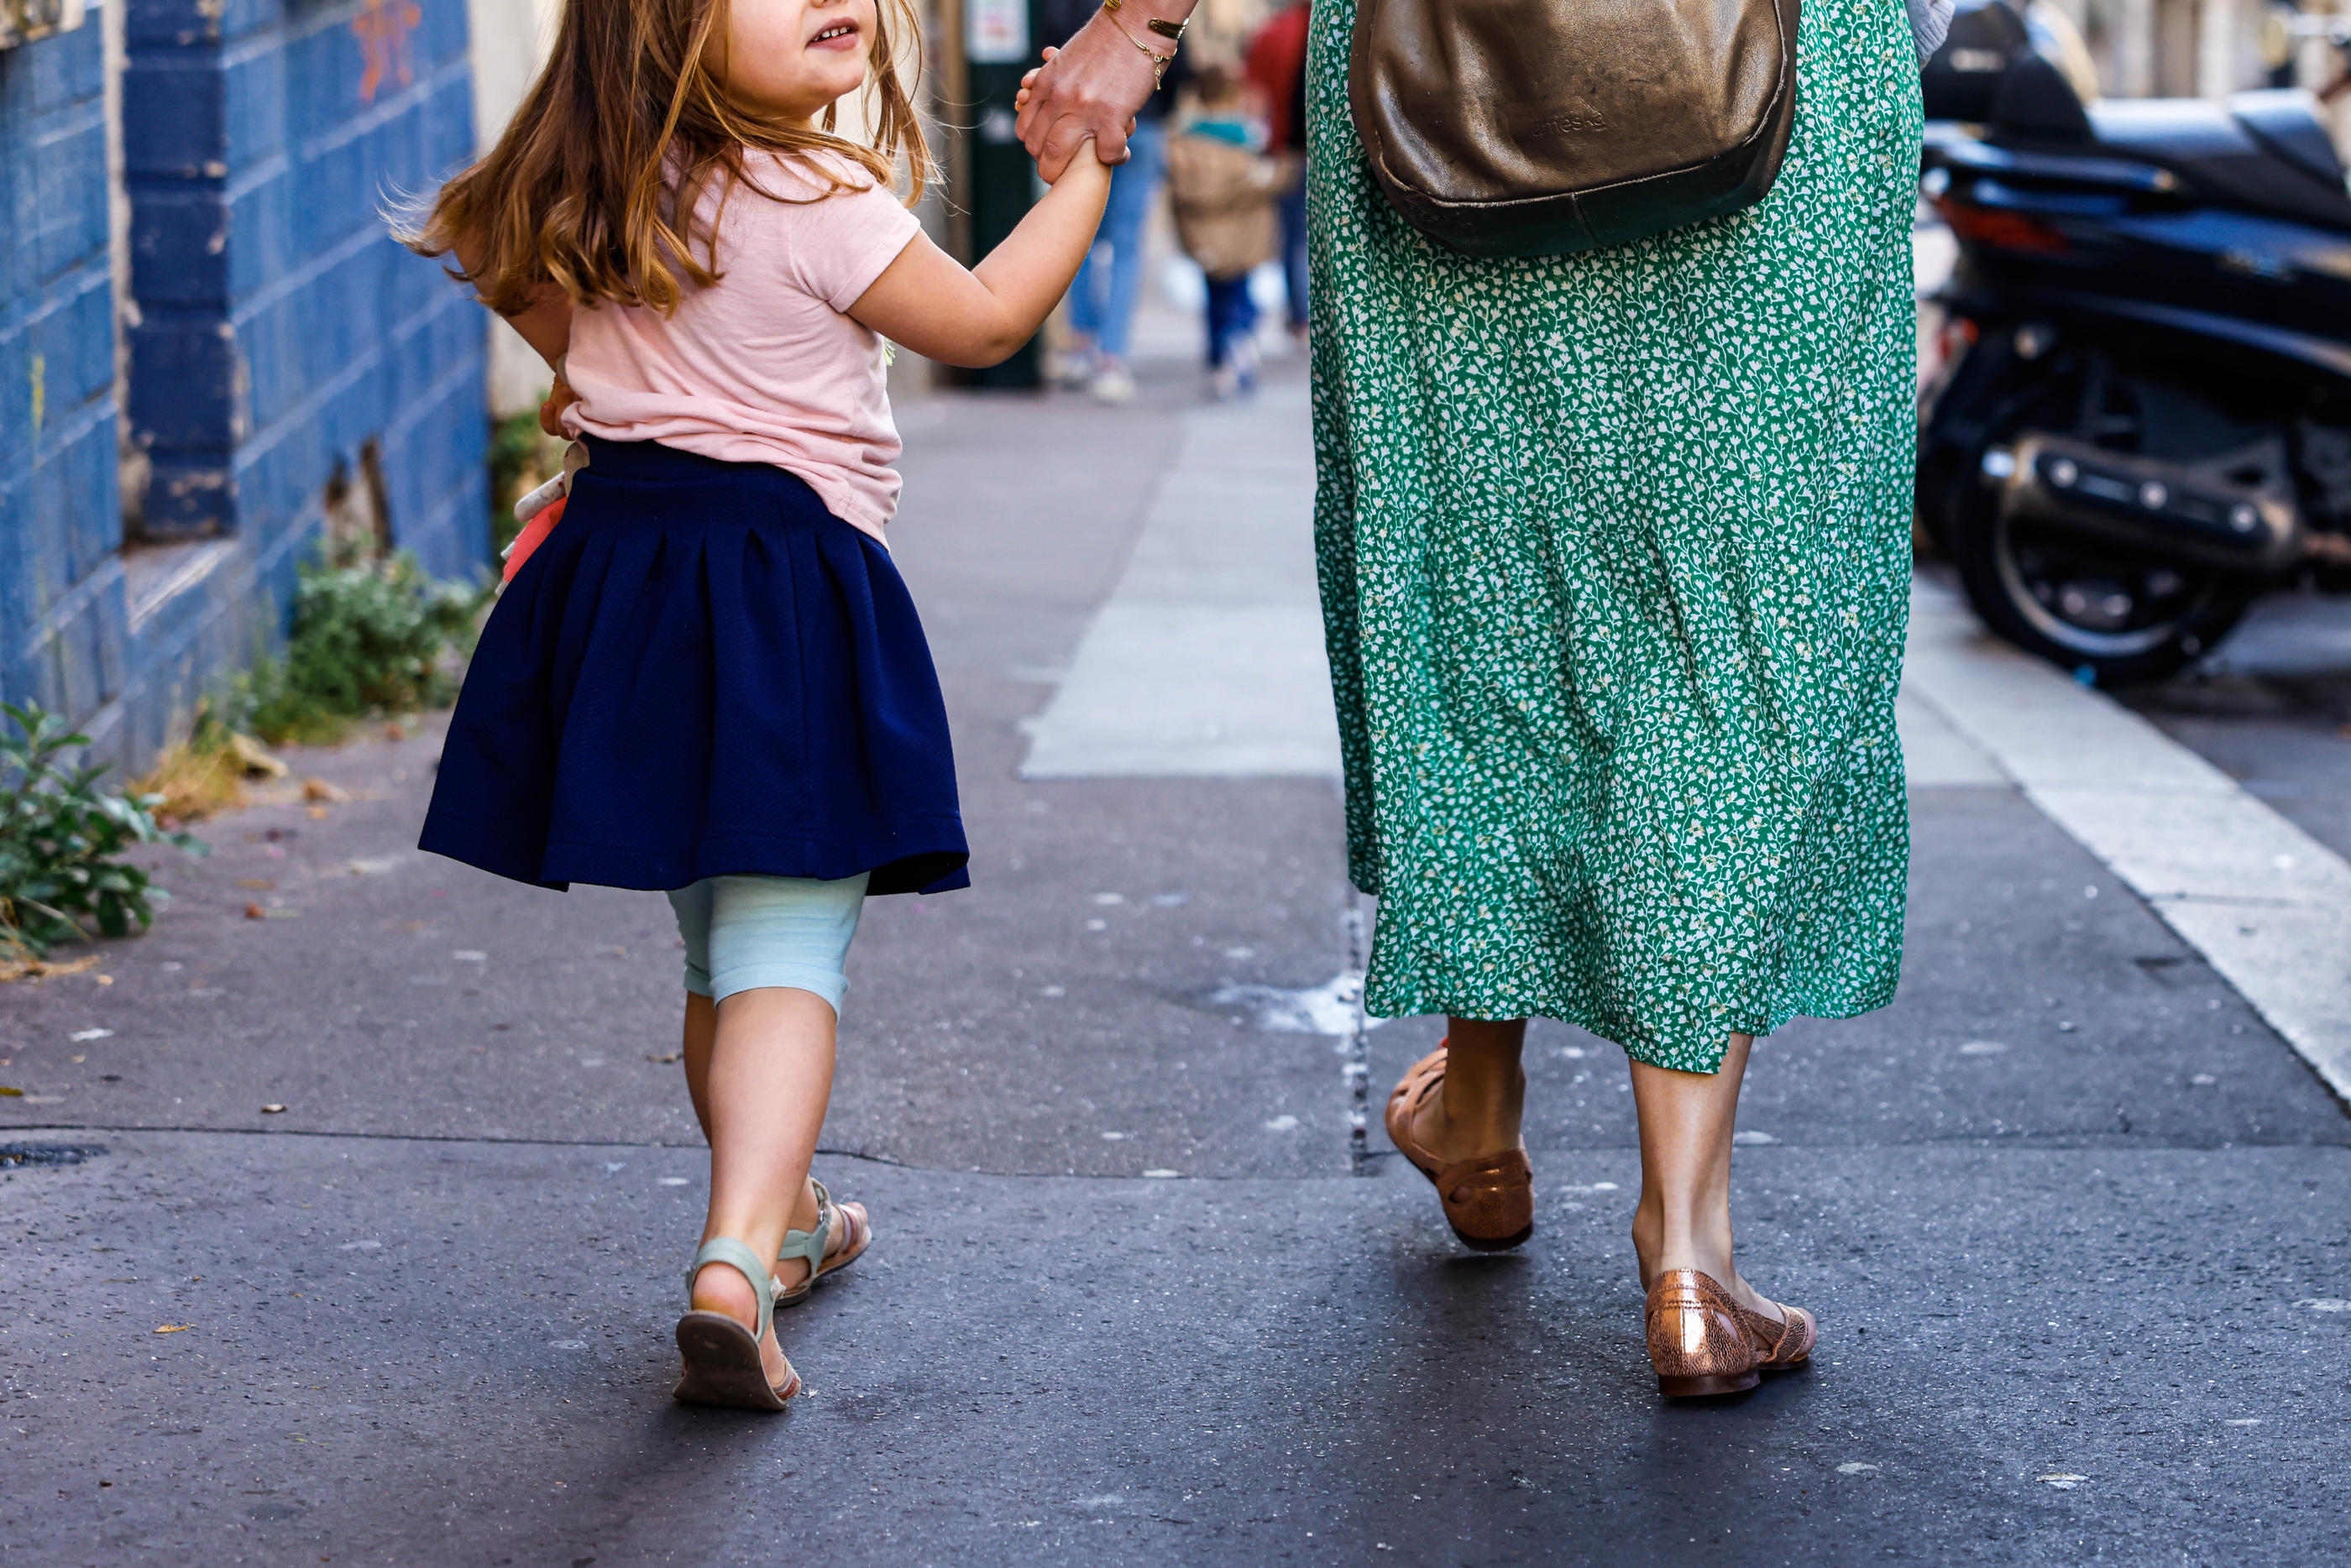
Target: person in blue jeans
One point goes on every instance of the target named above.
(1277, 65)
(1228, 200)
(1103, 298)
(1109, 287)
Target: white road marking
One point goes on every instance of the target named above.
(2268, 905)
(1207, 660)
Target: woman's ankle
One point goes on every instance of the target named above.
(1467, 1125)
(1661, 1243)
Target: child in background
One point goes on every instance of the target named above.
(709, 679)
(1224, 191)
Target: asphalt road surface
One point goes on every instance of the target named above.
(2074, 1212)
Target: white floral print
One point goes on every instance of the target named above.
(1614, 556)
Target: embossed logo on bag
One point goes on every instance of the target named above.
(1569, 123)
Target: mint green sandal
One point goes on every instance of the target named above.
(722, 1363)
(809, 1246)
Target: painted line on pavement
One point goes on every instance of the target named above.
(1207, 660)
(2267, 905)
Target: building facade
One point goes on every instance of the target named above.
(214, 350)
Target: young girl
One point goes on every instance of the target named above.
(1225, 192)
(709, 679)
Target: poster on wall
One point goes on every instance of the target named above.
(995, 32)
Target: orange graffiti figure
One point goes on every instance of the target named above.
(382, 28)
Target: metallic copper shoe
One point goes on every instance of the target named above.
(1490, 1202)
(1784, 1345)
(1697, 1341)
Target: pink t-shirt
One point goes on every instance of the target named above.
(764, 366)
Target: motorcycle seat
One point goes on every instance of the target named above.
(2266, 150)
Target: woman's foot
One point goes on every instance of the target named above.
(726, 1353)
(1704, 1341)
(1700, 1343)
(1454, 1125)
(1487, 1192)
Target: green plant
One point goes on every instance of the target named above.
(367, 638)
(59, 836)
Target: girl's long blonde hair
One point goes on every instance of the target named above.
(594, 186)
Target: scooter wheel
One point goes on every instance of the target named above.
(2098, 615)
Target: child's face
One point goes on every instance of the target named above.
(793, 58)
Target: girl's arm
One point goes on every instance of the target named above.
(546, 323)
(928, 302)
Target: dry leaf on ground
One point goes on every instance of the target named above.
(257, 762)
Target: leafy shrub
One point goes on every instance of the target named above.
(368, 639)
(60, 835)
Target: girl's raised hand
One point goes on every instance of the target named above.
(1029, 81)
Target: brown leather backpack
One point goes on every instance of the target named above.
(1517, 127)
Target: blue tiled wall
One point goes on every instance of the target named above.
(276, 330)
(63, 622)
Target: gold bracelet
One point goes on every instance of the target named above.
(1159, 62)
(1172, 31)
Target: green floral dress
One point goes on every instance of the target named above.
(1615, 564)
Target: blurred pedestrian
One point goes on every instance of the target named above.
(708, 678)
(1103, 300)
(1614, 556)
(1223, 189)
(1277, 65)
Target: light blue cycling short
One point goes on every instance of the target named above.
(745, 933)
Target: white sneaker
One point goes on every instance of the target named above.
(1244, 358)
(1225, 382)
(1112, 384)
(1071, 369)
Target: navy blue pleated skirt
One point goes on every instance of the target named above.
(701, 672)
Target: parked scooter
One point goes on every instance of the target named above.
(2145, 417)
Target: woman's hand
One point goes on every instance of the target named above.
(1029, 90)
(1091, 87)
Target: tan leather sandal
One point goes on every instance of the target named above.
(1490, 1202)
(1698, 1339)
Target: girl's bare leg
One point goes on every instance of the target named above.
(1476, 1110)
(1683, 1221)
(760, 1076)
(700, 1033)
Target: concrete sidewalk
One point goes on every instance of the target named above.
(2072, 1215)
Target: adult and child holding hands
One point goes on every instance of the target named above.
(1614, 559)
